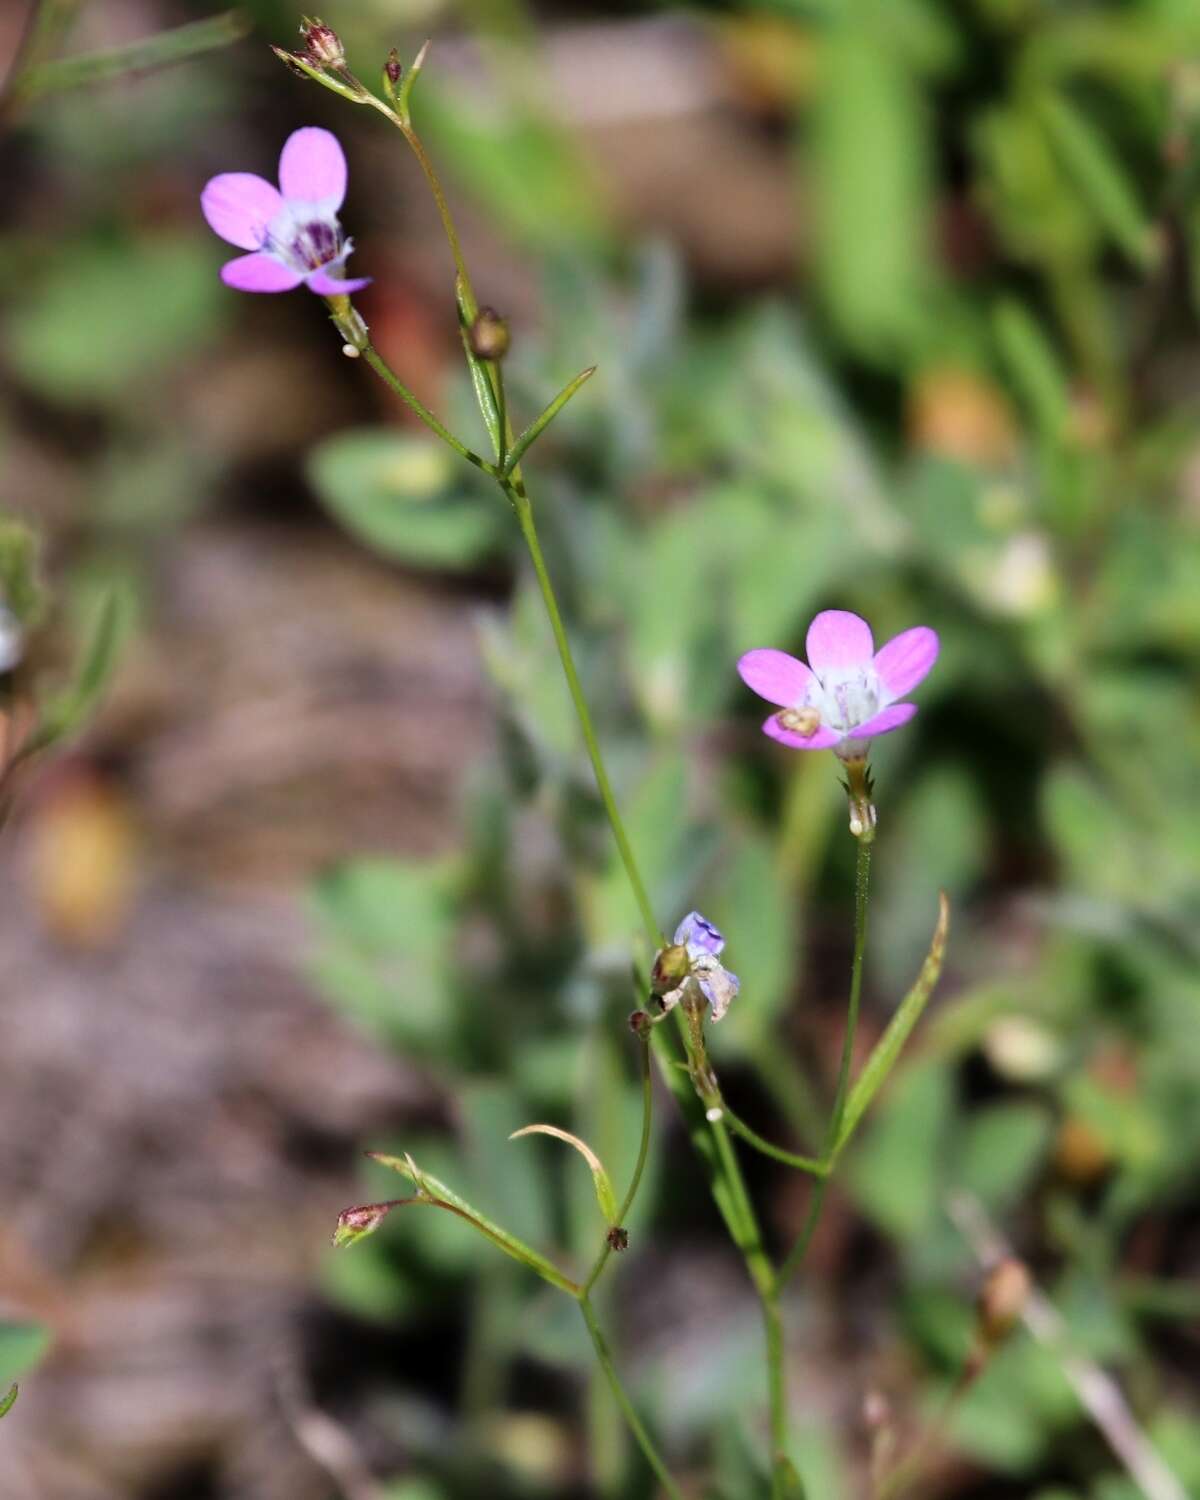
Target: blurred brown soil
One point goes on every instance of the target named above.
(182, 1116)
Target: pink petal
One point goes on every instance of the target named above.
(259, 273)
(776, 676)
(906, 660)
(884, 722)
(312, 168)
(823, 739)
(329, 286)
(239, 206)
(838, 639)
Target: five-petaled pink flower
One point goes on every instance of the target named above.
(292, 230)
(848, 692)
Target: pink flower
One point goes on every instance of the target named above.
(848, 693)
(292, 230)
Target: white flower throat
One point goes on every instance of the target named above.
(841, 701)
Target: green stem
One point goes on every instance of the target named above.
(636, 1426)
(862, 888)
(760, 1143)
(777, 1387)
(639, 1166)
(393, 381)
(524, 511)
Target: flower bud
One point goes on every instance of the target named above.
(355, 1224)
(671, 967)
(488, 336)
(1002, 1299)
(640, 1023)
(392, 67)
(322, 45)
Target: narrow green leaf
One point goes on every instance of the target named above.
(1099, 176)
(67, 710)
(481, 378)
(605, 1196)
(539, 424)
(159, 51)
(438, 1195)
(6, 1402)
(407, 82)
(1033, 366)
(887, 1050)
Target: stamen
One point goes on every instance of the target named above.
(802, 721)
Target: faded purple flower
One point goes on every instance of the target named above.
(703, 943)
(698, 935)
(848, 693)
(293, 230)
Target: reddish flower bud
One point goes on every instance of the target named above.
(322, 45)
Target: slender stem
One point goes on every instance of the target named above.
(776, 1384)
(862, 888)
(393, 381)
(760, 1143)
(800, 1249)
(524, 512)
(636, 1426)
(639, 1166)
(470, 304)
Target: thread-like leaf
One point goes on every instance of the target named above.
(605, 1196)
(481, 378)
(437, 1195)
(887, 1050)
(540, 423)
(159, 51)
(6, 1402)
(406, 85)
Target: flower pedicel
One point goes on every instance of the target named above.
(292, 230)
